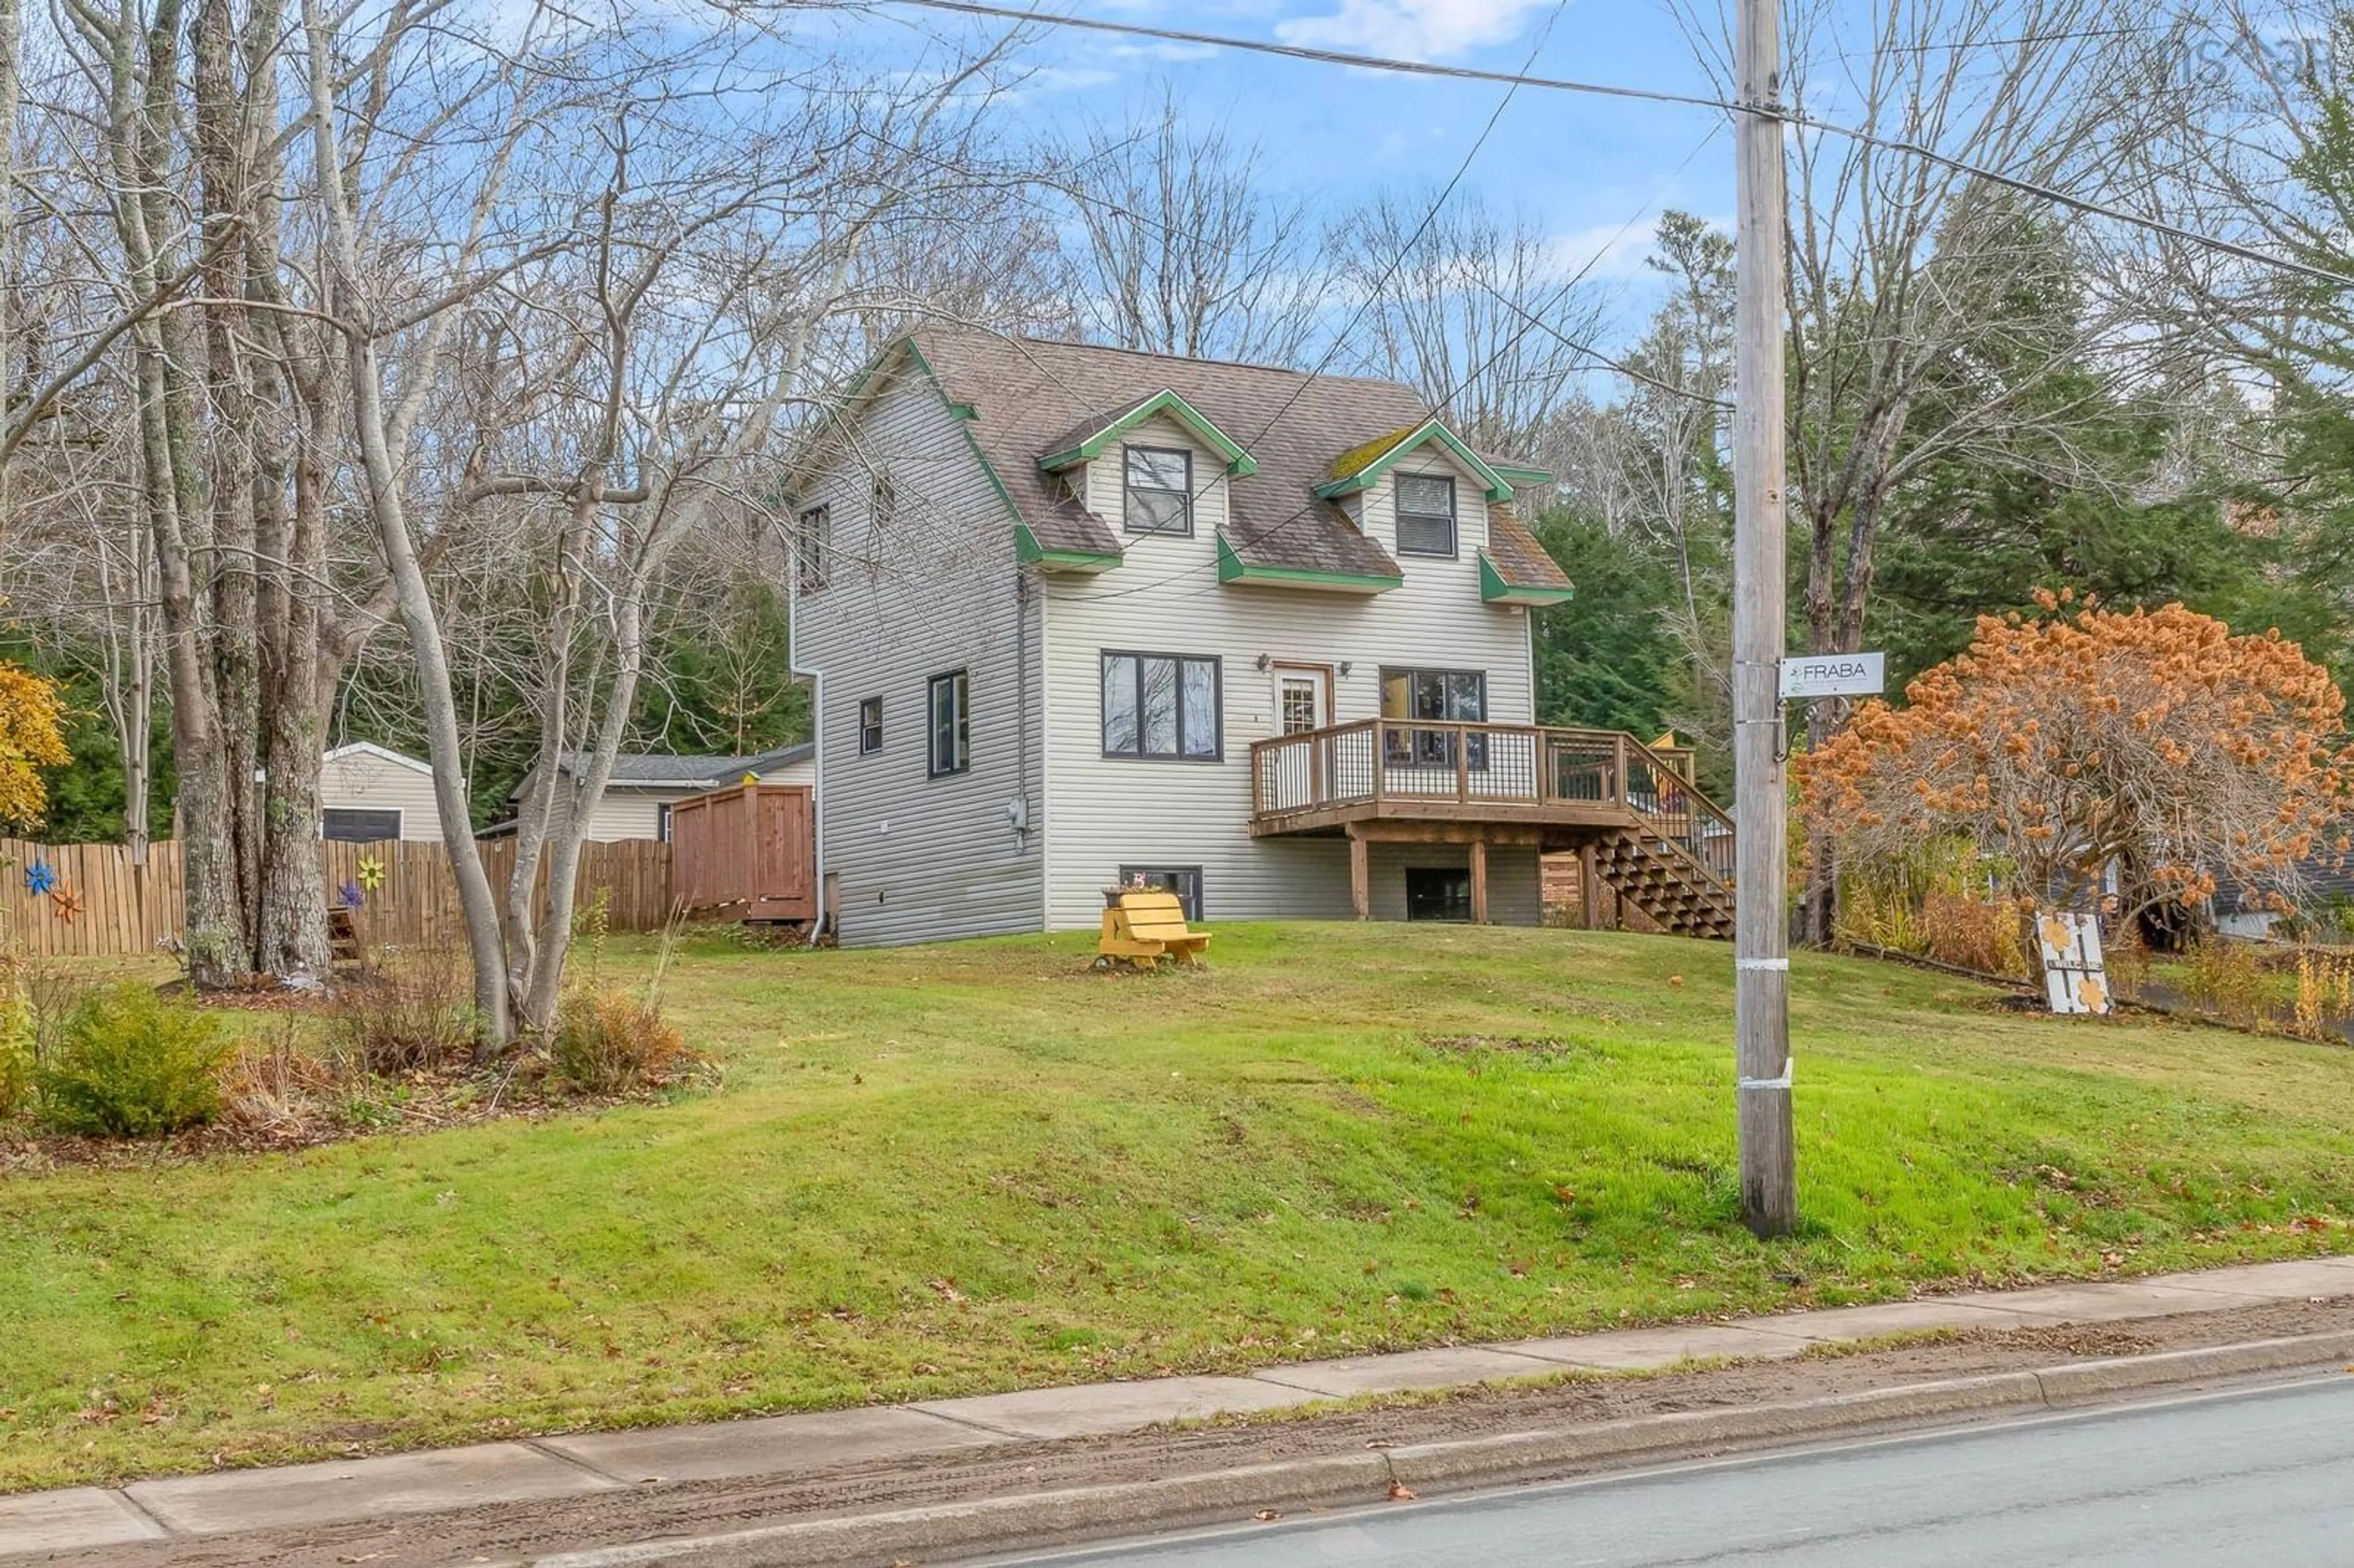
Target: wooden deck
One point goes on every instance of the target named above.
(1483, 784)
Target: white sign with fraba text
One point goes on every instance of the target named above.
(1833, 675)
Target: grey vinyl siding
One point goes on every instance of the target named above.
(362, 781)
(1106, 812)
(917, 858)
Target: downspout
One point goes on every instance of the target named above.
(817, 739)
(1024, 597)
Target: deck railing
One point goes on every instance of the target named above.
(1374, 762)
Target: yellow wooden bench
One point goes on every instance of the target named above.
(1146, 925)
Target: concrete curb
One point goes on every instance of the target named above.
(2086, 1382)
(1039, 1519)
(1007, 1523)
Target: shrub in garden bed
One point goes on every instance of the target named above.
(128, 1064)
(417, 1017)
(609, 1042)
(16, 1070)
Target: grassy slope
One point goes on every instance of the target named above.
(975, 1167)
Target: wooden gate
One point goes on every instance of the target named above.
(749, 852)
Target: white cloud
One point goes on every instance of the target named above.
(1603, 251)
(1418, 30)
(1616, 253)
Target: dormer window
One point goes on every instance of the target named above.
(1425, 514)
(1158, 483)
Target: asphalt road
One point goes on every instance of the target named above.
(2261, 1480)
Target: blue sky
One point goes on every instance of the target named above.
(1581, 167)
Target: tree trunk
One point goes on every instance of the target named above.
(137, 729)
(292, 936)
(232, 485)
(294, 676)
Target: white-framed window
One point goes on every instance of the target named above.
(1158, 490)
(1425, 514)
(949, 705)
(870, 726)
(1161, 706)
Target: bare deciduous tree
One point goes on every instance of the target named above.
(1186, 250)
(594, 358)
(1476, 311)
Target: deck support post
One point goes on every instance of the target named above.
(1479, 882)
(1589, 888)
(1360, 875)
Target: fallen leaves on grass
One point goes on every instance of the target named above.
(1517, 1045)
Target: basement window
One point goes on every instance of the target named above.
(1184, 881)
(1439, 892)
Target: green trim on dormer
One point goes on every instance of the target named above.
(1031, 553)
(1519, 475)
(1494, 589)
(1165, 401)
(1232, 568)
(1358, 468)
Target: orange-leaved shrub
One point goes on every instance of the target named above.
(2155, 740)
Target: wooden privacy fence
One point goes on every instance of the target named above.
(747, 852)
(128, 910)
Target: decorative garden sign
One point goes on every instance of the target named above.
(2073, 975)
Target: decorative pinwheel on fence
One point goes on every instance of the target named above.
(371, 875)
(39, 878)
(66, 902)
(349, 895)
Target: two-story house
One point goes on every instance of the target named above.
(1077, 615)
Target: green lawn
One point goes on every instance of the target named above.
(977, 1167)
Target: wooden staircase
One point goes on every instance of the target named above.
(1665, 881)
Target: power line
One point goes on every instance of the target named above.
(1301, 52)
(1536, 323)
(1792, 118)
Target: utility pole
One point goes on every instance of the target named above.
(1769, 1188)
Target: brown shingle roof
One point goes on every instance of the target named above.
(1520, 559)
(1030, 396)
